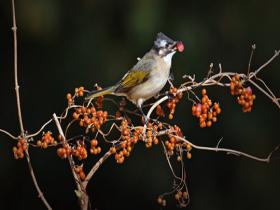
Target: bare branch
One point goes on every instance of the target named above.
(227, 151)
(8, 134)
(95, 168)
(265, 64)
(40, 193)
(14, 29)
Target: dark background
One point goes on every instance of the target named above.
(67, 44)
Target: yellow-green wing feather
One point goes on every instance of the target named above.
(132, 79)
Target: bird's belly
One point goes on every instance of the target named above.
(148, 89)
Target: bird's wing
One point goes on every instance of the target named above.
(132, 79)
(137, 75)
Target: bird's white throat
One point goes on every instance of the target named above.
(168, 58)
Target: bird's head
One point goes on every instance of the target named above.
(164, 45)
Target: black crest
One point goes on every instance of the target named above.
(162, 40)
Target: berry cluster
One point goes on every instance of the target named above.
(246, 99)
(90, 118)
(79, 170)
(65, 151)
(70, 99)
(152, 130)
(20, 149)
(172, 143)
(245, 96)
(46, 140)
(161, 201)
(128, 140)
(171, 104)
(78, 92)
(205, 112)
(79, 151)
(94, 149)
(181, 198)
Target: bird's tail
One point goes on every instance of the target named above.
(97, 93)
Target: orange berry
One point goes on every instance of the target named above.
(170, 116)
(98, 150)
(189, 155)
(39, 143)
(203, 91)
(159, 200)
(44, 145)
(204, 100)
(172, 139)
(188, 147)
(94, 142)
(82, 175)
(209, 123)
(61, 152)
(113, 150)
(155, 141)
(68, 96)
(77, 169)
(203, 124)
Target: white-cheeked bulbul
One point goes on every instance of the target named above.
(148, 76)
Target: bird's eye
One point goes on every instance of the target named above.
(167, 45)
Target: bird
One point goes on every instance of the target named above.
(148, 76)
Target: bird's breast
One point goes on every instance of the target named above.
(152, 86)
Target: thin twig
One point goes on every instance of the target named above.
(40, 130)
(277, 52)
(250, 60)
(8, 134)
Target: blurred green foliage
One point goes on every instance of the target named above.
(65, 44)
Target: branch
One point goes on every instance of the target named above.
(95, 167)
(14, 29)
(40, 193)
(228, 151)
(70, 158)
(81, 192)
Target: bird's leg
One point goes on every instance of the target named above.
(145, 117)
(170, 79)
(139, 103)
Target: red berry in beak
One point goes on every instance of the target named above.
(180, 46)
